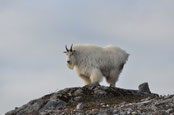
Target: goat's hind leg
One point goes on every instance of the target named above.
(113, 77)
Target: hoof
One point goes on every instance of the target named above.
(92, 84)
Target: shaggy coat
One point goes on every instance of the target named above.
(92, 63)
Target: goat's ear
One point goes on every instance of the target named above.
(74, 51)
(65, 52)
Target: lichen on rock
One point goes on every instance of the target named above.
(88, 99)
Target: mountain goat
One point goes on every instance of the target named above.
(93, 62)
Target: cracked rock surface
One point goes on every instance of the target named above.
(98, 100)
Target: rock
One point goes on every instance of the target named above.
(160, 112)
(102, 105)
(115, 111)
(153, 108)
(98, 100)
(145, 99)
(122, 113)
(94, 111)
(78, 98)
(134, 113)
(53, 104)
(78, 92)
(129, 111)
(81, 106)
(99, 92)
(169, 111)
(144, 87)
(146, 102)
(102, 113)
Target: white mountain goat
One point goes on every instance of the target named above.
(92, 62)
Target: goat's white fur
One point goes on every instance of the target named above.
(92, 62)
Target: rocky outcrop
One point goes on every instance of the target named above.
(100, 100)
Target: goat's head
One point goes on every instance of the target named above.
(70, 59)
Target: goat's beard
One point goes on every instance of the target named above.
(70, 66)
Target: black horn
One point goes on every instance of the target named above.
(71, 48)
(66, 48)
